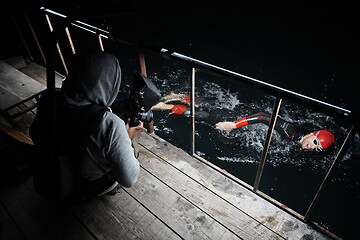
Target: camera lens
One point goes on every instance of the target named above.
(146, 117)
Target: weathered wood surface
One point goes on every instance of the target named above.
(206, 213)
(16, 134)
(242, 199)
(33, 70)
(19, 65)
(175, 197)
(121, 217)
(35, 218)
(16, 86)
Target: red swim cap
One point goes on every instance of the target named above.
(325, 137)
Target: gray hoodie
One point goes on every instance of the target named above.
(95, 79)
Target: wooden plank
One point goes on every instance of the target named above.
(14, 133)
(148, 210)
(23, 122)
(40, 72)
(177, 212)
(121, 217)
(263, 211)
(33, 70)
(17, 62)
(219, 214)
(17, 84)
(33, 75)
(7, 99)
(36, 218)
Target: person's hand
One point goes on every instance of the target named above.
(225, 126)
(134, 131)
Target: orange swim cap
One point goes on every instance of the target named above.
(325, 137)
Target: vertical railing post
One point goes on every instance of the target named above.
(70, 40)
(274, 116)
(57, 45)
(192, 111)
(338, 158)
(141, 57)
(50, 85)
(100, 42)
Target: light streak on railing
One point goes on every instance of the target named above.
(57, 45)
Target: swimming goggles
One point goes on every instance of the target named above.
(317, 143)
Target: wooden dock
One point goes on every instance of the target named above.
(175, 197)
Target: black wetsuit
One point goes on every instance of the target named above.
(288, 131)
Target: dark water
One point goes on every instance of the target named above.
(307, 49)
(291, 175)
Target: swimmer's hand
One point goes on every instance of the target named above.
(225, 126)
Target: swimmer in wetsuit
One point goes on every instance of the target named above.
(318, 140)
(182, 106)
(178, 103)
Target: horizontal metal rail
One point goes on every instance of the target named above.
(283, 93)
(272, 89)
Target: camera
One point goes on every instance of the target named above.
(143, 95)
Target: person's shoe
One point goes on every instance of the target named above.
(110, 190)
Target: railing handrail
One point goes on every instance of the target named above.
(313, 103)
(274, 90)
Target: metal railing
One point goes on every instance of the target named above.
(279, 93)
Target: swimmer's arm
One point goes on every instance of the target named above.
(225, 126)
(162, 106)
(173, 97)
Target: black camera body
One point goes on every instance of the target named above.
(132, 109)
(136, 107)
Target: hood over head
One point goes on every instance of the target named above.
(94, 78)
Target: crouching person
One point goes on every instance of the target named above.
(99, 142)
